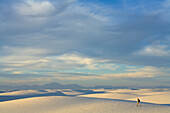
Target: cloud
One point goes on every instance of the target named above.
(17, 72)
(29, 59)
(30, 81)
(34, 8)
(69, 35)
(155, 50)
(146, 72)
(20, 51)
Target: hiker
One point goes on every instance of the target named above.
(138, 102)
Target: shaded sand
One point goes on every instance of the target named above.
(161, 96)
(63, 104)
(158, 98)
(21, 92)
(70, 92)
(14, 95)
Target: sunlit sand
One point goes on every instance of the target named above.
(110, 101)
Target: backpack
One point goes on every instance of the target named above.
(139, 100)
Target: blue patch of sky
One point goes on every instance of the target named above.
(9, 1)
(103, 1)
(138, 5)
(119, 2)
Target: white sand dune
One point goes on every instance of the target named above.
(88, 103)
(158, 98)
(146, 95)
(70, 92)
(14, 95)
(62, 104)
(21, 92)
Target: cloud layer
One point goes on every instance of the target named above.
(74, 36)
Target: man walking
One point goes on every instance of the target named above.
(138, 102)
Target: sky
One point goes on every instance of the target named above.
(85, 42)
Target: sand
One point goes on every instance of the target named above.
(88, 103)
(145, 95)
(76, 105)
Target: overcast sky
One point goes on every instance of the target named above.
(86, 42)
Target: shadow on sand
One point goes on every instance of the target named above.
(89, 91)
(124, 101)
(58, 93)
(8, 98)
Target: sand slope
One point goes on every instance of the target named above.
(85, 101)
(62, 104)
(21, 92)
(146, 95)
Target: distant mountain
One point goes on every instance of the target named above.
(52, 85)
(55, 85)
